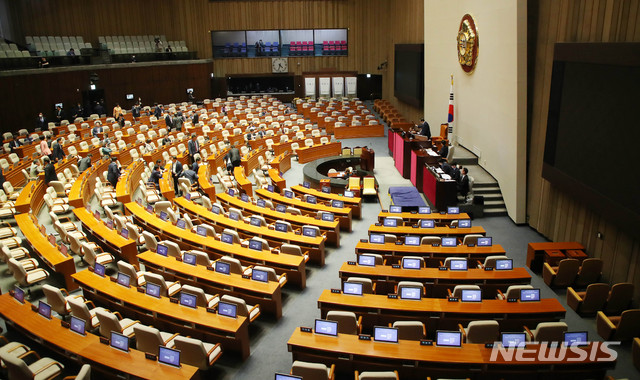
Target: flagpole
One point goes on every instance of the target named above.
(452, 136)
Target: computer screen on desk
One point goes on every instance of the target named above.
(337, 204)
(312, 200)
(412, 240)
(284, 376)
(270, 188)
(529, 295)
(99, 269)
(449, 338)
(385, 334)
(449, 242)
(168, 356)
(353, 288)
(327, 216)
(282, 227)
(576, 338)
(424, 210)
(124, 233)
(464, 223)
(308, 231)
(484, 242)
(326, 189)
(395, 209)
(410, 293)
(18, 294)
(222, 267)
(234, 216)
(226, 238)
(390, 222)
(244, 197)
(288, 193)
(306, 184)
(376, 239)
(123, 279)
(215, 209)
(471, 295)
(349, 194)
(153, 289)
(261, 203)
(77, 325)
(367, 260)
(189, 258)
(227, 309)
(281, 208)
(119, 341)
(181, 223)
(164, 216)
(256, 245)
(44, 309)
(256, 221)
(411, 263)
(259, 275)
(453, 210)
(325, 327)
(513, 339)
(188, 299)
(504, 264)
(162, 250)
(458, 264)
(427, 223)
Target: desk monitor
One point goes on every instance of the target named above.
(504, 264)
(288, 194)
(124, 233)
(163, 215)
(312, 200)
(187, 196)
(484, 242)
(99, 269)
(285, 376)
(162, 250)
(411, 263)
(513, 339)
(367, 260)
(327, 216)
(449, 242)
(390, 222)
(261, 203)
(232, 192)
(200, 230)
(282, 227)
(226, 238)
(427, 223)
(395, 209)
(119, 341)
(181, 223)
(458, 264)
(221, 267)
(471, 295)
(110, 224)
(352, 288)
(189, 258)
(449, 338)
(529, 295)
(281, 208)
(77, 325)
(412, 240)
(188, 300)
(129, 96)
(234, 216)
(256, 245)
(215, 209)
(256, 221)
(424, 210)
(325, 327)
(18, 294)
(326, 189)
(410, 293)
(244, 197)
(385, 334)
(153, 289)
(260, 275)
(149, 210)
(576, 338)
(123, 279)
(306, 184)
(227, 309)
(464, 223)
(169, 356)
(376, 239)
(308, 231)
(349, 194)
(44, 309)
(453, 210)
(270, 188)
(337, 204)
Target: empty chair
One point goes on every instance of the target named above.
(348, 323)
(490, 261)
(166, 289)
(390, 238)
(83, 374)
(377, 375)
(242, 309)
(590, 301)
(590, 272)
(91, 255)
(202, 299)
(149, 338)
(368, 287)
(57, 300)
(80, 309)
(114, 322)
(132, 272)
(623, 327)
(410, 330)
(150, 241)
(354, 185)
(430, 240)
(24, 277)
(471, 239)
(292, 249)
(619, 298)
(405, 258)
(369, 186)
(312, 371)
(513, 291)
(480, 332)
(562, 276)
(40, 369)
(196, 352)
(457, 290)
(547, 332)
(272, 275)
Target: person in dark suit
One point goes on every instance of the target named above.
(424, 128)
(444, 150)
(176, 172)
(99, 109)
(195, 119)
(196, 163)
(14, 143)
(85, 163)
(194, 147)
(49, 171)
(58, 114)
(135, 111)
(155, 176)
(57, 151)
(41, 122)
(78, 111)
(168, 120)
(234, 157)
(113, 172)
(463, 183)
(455, 172)
(444, 165)
(191, 176)
(157, 111)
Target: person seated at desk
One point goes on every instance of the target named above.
(444, 150)
(97, 128)
(155, 176)
(35, 168)
(85, 163)
(196, 163)
(191, 176)
(14, 143)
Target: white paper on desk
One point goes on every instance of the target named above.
(439, 171)
(445, 176)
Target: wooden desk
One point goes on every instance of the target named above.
(243, 182)
(279, 182)
(232, 334)
(414, 218)
(32, 191)
(106, 361)
(110, 240)
(204, 182)
(282, 162)
(414, 361)
(315, 246)
(50, 255)
(167, 188)
(293, 266)
(436, 231)
(312, 153)
(358, 131)
(267, 295)
(129, 181)
(437, 282)
(440, 193)
(271, 216)
(250, 161)
(535, 252)
(439, 313)
(82, 189)
(343, 214)
(355, 203)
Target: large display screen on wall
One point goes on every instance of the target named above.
(591, 146)
(409, 73)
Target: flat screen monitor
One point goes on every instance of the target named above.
(576, 338)
(119, 341)
(353, 288)
(123, 279)
(449, 338)
(390, 222)
(188, 299)
(484, 242)
(168, 356)
(200, 230)
(326, 189)
(181, 223)
(367, 260)
(411, 263)
(244, 197)
(376, 239)
(234, 216)
(410, 293)
(232, 192)
(529, 295)
(110, 224)
(282, 227)
(59, 105)
(129, 96)
(306, 184)
(458, 264)
(153, 289)
(424, 210)
(325, 327)
(327, 216)
(427, 223)
(449, 242)
(44, 309)
(77, 325)
(149, 209)
(395, 209)
(260, 275)
(215, 209)
(385, 334)
(337, 204)
(513, 339)
(412, 240)
(471, 295)
(288, 194)
(257, 222)
(124, 233)
(261, 203)
(227, 309)
(312, 200)
(464, 223)
(226, 238)
(163, 215)
(504, 264)
(281, 208)
(189, 258)
(99, 269)
(285, 376)
(256, 245)
(162, 250)
(349, 194)
(308, 231)
(18, 294)
(453, 210)
(270, 188)
(222, 267)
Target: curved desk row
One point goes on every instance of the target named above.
(358, 131)
(355, 203)
(436, 231)
(311, 153)
(109, 239)
(414, 218)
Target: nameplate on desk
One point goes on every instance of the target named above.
(90, 269)
(178, 258)
(512, 300)
(297, 232)
(488, 269)
(395, 266)
(104, 340)
(398, 242)
(336, 291)
(488, 345)
(113, 279)
(443, 268)
(173, 300)
(351, 263)
(415, 226)
(34, 308)
(424, 342)
(471, 245)
(364, 337)
(306, 329)
(364, 241)
(453, 299)
(392, 296)
(65, 324)
(443, 212)
(452, 226)
(385, 210)
(414, 212)
(435, 244)
(140, 289)
(211, 310)
(246, 276)
(378, 224)
(150, 356)
(211, 268)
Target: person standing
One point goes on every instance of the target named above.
(424, 128)
(194, 147)
(135, 112)
(49, 171)
(155, 176)
(44, 148)
(176, 172)
(85, 163)
(117, 111)
(234, 157)
(113, 172)
(463, 183)
(58, 114)
(41, 122)
(177, 121)
(168, 120)
(57, 153)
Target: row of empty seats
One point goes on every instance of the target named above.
(56, 46)
(139, 44)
